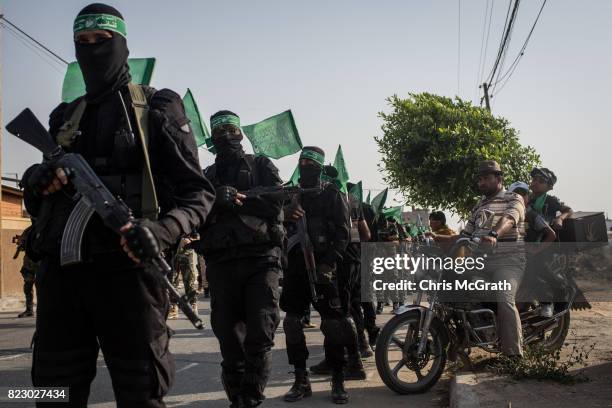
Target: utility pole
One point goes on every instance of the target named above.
(485, 88)
(1, 151)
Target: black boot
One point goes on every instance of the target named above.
(364, 346)
(373, 336)
(231, 385)
(379, 308)
(301, 387)
(339, 394)
(321, 369)
(27, 313)
(354, 368)
(29, 299)
(237, 402)
(366, 352)
(249, 402)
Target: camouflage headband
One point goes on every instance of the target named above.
(90, 22)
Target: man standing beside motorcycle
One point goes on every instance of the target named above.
(496, 221)
(554, 212)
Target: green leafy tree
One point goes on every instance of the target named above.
(431, 146)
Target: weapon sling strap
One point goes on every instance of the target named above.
(70, 130)
(149, 205)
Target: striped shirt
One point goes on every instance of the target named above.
(487, 213)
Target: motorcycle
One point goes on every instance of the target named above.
(413, 347)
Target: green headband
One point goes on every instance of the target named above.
(312, 155)
(224, 120)
(90, 22)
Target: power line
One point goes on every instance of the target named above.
(484, 59)
(505, 41)
(2, 17)
(505, 26)
(484, 29)
(45, 57)
(507, 47)
(514, 64)
(481, 61)
(459, 48)
(503, 50)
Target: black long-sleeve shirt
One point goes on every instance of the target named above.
(332, 211)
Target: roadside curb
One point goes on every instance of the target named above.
(462, 393)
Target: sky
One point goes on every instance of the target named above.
(334, 63)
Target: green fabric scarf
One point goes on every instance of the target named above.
(538, 204)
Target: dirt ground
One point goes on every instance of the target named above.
(587, 327)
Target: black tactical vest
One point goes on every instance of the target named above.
(320, 217)
(227, 229)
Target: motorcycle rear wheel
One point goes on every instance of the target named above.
(554, 339)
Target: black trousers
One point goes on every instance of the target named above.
(29, 277)
(244, 317)
(92, 306)
(369, 317)
(296, 298)
(363, 313)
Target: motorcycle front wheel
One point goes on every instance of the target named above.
(397, 361)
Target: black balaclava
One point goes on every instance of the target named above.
(104, 64)
(228, 145)
(310, 174)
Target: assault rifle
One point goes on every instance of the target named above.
(91, 196)
(279, 192)
(301, 237)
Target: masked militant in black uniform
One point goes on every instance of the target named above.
(241, 243)
(349, 288)
(327, 217)
(28, 272)
(150, 161)
(350, 282)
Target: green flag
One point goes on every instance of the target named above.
(413, 230)
(295, 177)
(340, 165)
(357, 192)
(274, 137)
(200, 131)
(378, 202)
(141, 70)
(394, 212)
(367, 201)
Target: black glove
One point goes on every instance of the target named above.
(40, 178)
(141, 241)
(225, 196)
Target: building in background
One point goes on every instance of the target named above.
(14, 220)
(412, 217)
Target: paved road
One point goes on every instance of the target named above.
(197, 380)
